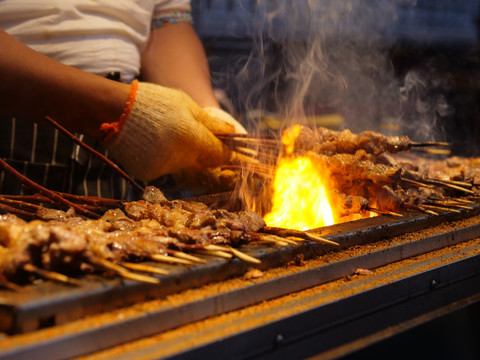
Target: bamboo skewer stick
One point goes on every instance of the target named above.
(442, 208)
(234, 251)
(321, 239)
(272, 239)
(429, 143)
(170, 259)
(51, 275)
(95, 153)
(244, 257)
(270, 169)
(258, 138)
(252, 154)
(9, 285)
(298, 233)
(422, 209)
(451, 203)
(416, 183)
(296, 239)
(145, 268)
(452, 186)
(433, 151)
(186, 256)
(257, 168)
(120, 270)
(139, 277)
(288, 240)
(256, 155)
(466, 201)
(458, 206)
(274, 236)
(432, 182)
(256, 143)
(254, 170)
(453, 182)
(216, 253)
(383, 212)
(248, 135)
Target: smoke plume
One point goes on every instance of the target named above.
(314, 57)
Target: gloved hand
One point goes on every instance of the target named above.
(163, 131)
(217, 113)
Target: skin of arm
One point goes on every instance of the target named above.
(33, 86)
(174, 57)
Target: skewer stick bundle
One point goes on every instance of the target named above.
(170, 259)
(145, 268)
(51, 275)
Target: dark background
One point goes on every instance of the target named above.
(435, 40)
(433, 45)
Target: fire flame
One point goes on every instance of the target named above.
(300, 199)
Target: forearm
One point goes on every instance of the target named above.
(33, 86)
(174, 57)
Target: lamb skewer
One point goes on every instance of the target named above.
(330, 142)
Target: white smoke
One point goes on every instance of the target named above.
(311, 56)
(423, 96)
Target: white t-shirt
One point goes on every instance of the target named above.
(98, 36)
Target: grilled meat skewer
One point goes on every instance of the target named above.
(330, 142)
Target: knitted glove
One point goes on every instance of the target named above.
(217, 113)
(163, 131)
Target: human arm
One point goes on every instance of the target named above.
(33, 85)
(174, 57)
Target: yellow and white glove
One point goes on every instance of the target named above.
(162, 130)
(222, 115)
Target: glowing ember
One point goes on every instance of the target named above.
(300, 199)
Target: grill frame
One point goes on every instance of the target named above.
(70, 304)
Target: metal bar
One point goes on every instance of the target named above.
(338, 323)
(59, 304)
(111, 334)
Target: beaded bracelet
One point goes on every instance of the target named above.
(172, 17)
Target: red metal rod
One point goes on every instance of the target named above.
(20, 204)
(78, 199)
(21, 213)
(93, 200)
(44, 191)
(32, 199)
(95, 153)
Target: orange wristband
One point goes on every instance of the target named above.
(111, 129)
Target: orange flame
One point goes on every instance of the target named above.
(300, 200)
